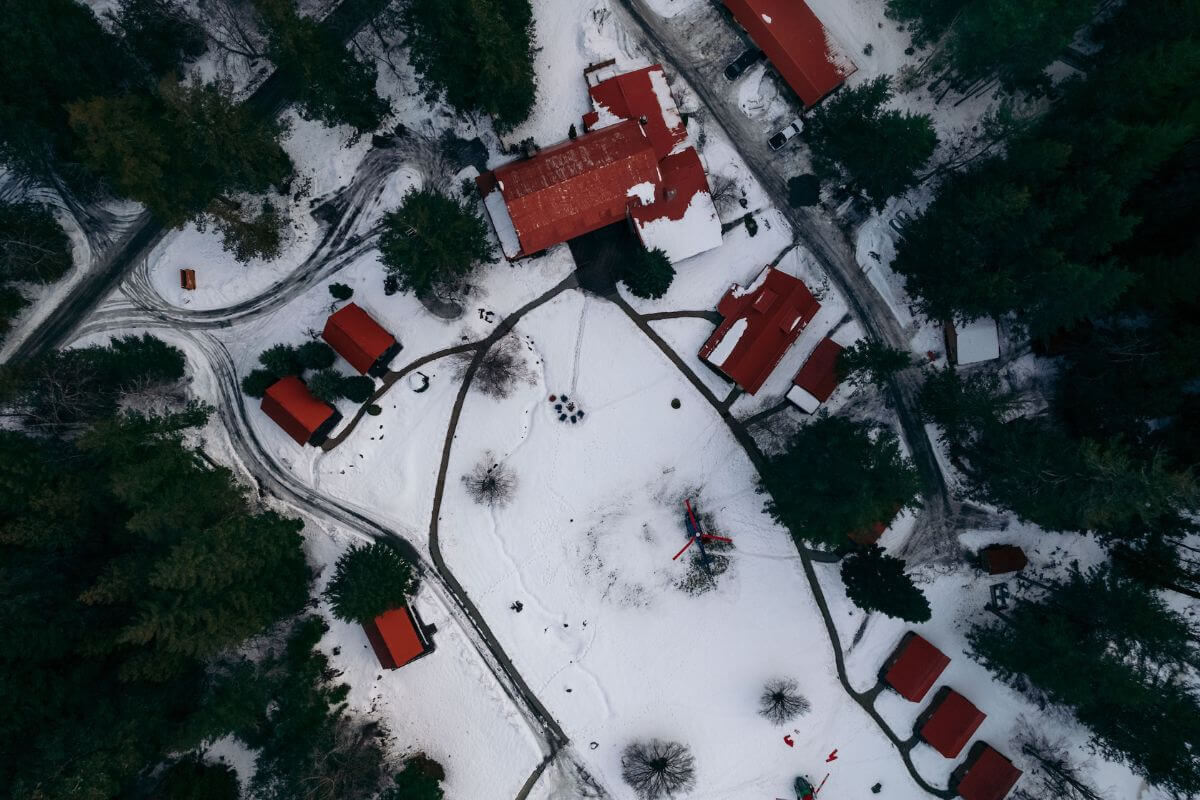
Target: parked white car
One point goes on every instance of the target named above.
(780, 139)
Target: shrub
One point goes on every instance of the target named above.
(420, 779)
(257, 382)
(340, 291)
(326, 385)
(374, 409)
(369, 580)
(657, 769)
(751, 224)
(315, 354)
(281, 360)
(649, 275)
(358, 388)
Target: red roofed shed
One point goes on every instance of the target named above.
(998, 559)
(987, 775)
(641, 94)
(293, 408)
(817, 379)
(950, 722)
(796, 43)
(575, 187)
(915, 667)
(359, 339)
(760, 323)
(396, 638)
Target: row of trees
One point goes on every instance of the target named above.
(33, 249)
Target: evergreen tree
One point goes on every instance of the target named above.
(649, 275)
(257, 382)
(876, 581)
(315, 354)
(281, 360)
(33, 246)
(432, 241)
(420, 779)
(369, 580)
(357, 388)
(340, 291)
(862, 480)
(477, 53)
(247, 234)
(11, 303)
(327, 385)
(870, 360)
(159, 33)
(193, 779)
(879, 150)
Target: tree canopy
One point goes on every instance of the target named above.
(433, 241)
(876, 581)
(369, 580)
(649, 274)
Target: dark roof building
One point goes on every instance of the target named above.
(397, 638)
(797, 45)
(293, 408)
(985, 775)
(998, 559)
(359, 339)
(817, 379)
(950, 722)
(760, 322)
(914, 667)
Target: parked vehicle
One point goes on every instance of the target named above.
(901, 221)
(790, 130)
(739, 65)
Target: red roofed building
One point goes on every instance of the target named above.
(797, 45)
(999, 559)
(985, 775)
(950, 722)
(639, 95)
(683, 220)
(359, 339)
(760, 323)
(914, 667)
(817, 379)
(293, 408)
(397, 638)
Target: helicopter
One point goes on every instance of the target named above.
(697, 536)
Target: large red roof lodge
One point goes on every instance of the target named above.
(759, 324)
(293, 408)
(359, 339)
(915, 667)
(796, 43)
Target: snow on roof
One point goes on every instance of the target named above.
(640, 95)
(817, 378)
(643, 191)
(497, 211)
(723, 348)
(685, 222)
(775, 314)
(803, 400)
(976, 341)
(796, 43)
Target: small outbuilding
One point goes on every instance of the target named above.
(914, 667)
(971, 342)
(397, 637)
(817, 379)
(949, 722)
(999, 559)
(985, 775)
(796, 44)
(187, 279)
(760, 322)
(359, 339)
(303, 417)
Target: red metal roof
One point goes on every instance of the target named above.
(915, 668)
(642, 94)
(1001, 558)
(394, 638)
(775, 309)
(990, 776)
(293, 408)
(818, 376)
(576, 187)
(357, 337)
(952, 723)
(796, 43)
(682, 178)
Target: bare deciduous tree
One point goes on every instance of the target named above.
(234, 26)
(491, 482)
(655, 768)
(725, 193)
(501, 368)
(781, 701)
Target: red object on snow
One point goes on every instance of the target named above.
(1001, 558)
(832, 756)
(950, 722)
(988, 776)
(787, 739)
(796, 43)
(766, 319)
(293, 408)
(575, 187)
(357, 337)
(915, 667)
(396, 638)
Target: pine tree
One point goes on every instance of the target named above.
(159, 33)
(876, 581)
(369, 580)
(432, 241)
(327, 385)
(357, 388)
(281, 360)
(315, 354)
(870, 360)
(257, 382)
(194, 779)
(649, 274)
(33, 246)
(420, 779)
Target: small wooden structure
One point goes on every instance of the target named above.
(949, 722)
(999, 559)
(187, 279)
(985, 775)
(397, 637)
(914, 667)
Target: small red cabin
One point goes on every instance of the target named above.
(760, 323)
(817, 379)
(187, 279)
(914, 667)
(950, 722)
(359, 339)
(998, 559)
(293, 408)
(397, 638)
(985, 775)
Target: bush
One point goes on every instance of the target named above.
(657, 769)
(420, 779)
(369, 580)
(781, 701)
(374, 410)
(340, 291)
(257, 382)
(649, 275)
(358, 388)
(327, 385)
(877, 582)
(751, 224)
(315, 354)
(281, 360)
